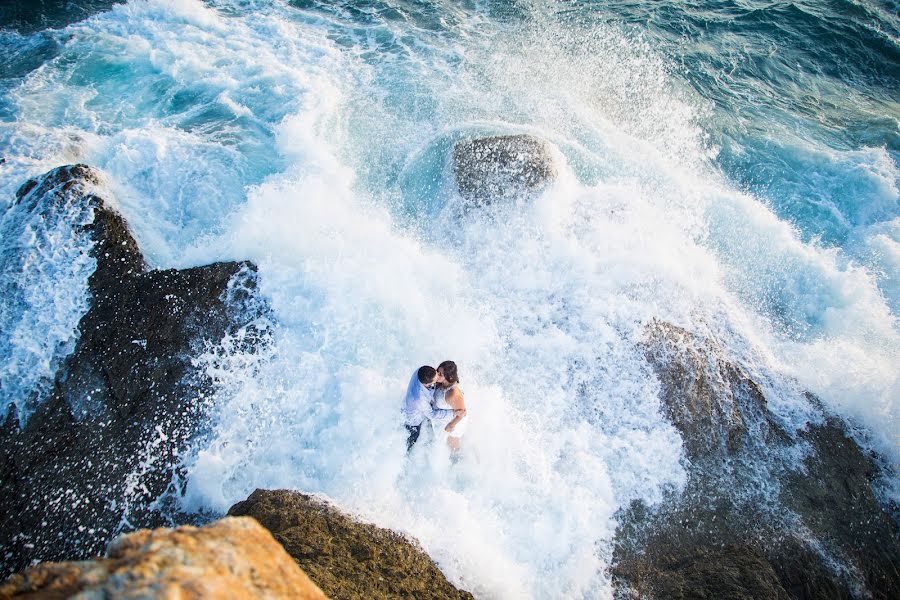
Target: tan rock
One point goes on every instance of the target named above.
(231, 558)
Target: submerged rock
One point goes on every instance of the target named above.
(102, 446)
(231, 558)
(765, 513)
(346, 558)
(491, 168)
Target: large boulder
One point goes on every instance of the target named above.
(491, 168)
(231, 558)
(102, 445)
(765, 512)
(346, 558)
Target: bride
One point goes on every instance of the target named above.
(448, 395)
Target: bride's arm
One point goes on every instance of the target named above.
(456, 400)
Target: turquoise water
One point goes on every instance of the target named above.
(730, 167)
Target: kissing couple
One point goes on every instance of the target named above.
(434, 395)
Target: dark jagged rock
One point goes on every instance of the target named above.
(751, 522)
(834, 496)
(33, 15)
(345, 558)
(99, 451)
(735, 572)
(490, 168)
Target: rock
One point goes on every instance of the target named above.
(346, 558)
(497, 167)
(736, 572)
(833, 495)
(752, 521)
(711, 401)
(28, 17)
(231, 558)
(103, 445)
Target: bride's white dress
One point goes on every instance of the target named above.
(440, 401)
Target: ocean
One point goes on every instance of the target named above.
(728, 166)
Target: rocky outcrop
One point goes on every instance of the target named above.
(833, 495)
(752, 521)
(28, 17)
(714, 404)
(102, 447)
(736, 572)
(231, 558)
(491, 168)
(346, 558)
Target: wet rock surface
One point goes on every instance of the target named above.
(34, 15)
(102, 448)
(712, 402)
(765, 513)
(492, 168)
(231, 558)
(346, 558)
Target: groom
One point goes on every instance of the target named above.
(417, 404)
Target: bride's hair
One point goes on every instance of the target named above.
(449, 369)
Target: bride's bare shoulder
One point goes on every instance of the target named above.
(454, 394)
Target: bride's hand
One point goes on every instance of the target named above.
(449, 427)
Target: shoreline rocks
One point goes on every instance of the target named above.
(752, 520)
(274, 544)
(346, 558)
(231, 558)
(715, 405)
(101, 449)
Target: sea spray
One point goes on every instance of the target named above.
(44, 268)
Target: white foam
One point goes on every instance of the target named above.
(836, 332)
(178, 104)
(529, 307)
(44, 269)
